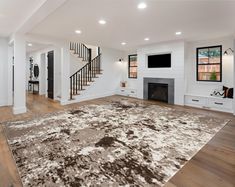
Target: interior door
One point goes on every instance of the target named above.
(50, 75)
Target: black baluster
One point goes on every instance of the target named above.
(71, 94)
(80, 84)
(90, 71)
(95, 66)
(84, 53)
(79, 50)
(78, 81)
(99, 64)
(86, 74)
(76, 84)
(81, 79)
(73, 85)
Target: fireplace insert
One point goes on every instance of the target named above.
(158, 91)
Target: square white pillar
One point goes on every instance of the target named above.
(65, 74)
(19, 102)
(9, 75)
(233, 77)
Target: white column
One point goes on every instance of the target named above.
(234, 77)
(19, 105)
(65, 74)
(9, 74)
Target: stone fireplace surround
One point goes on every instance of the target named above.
(170, 82)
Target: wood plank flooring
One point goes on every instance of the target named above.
(212, 166)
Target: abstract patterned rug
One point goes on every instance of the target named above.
(119, 144)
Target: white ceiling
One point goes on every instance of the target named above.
(14, 12)
(35, 47)
(125, 23)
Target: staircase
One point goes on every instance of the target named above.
(86, 75)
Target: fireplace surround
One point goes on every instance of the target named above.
(161, 89)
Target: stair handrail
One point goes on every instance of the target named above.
(81, 49)
(85, 65)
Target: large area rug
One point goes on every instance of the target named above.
(118, 144)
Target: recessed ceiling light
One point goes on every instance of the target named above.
(30, 45)
(146, 39)
(178, 33)
(78, 32)
(102, 22)
(142, 5)
(123, 43)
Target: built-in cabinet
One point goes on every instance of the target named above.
(208, 102)
(127, 92)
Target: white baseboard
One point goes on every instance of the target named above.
(81, 98)
(4, 103)
(64, 102)
(19, 110)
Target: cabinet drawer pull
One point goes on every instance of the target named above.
(132, 92)
(195, 100)
(218, 103)
(122, 90)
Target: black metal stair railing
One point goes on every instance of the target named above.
(81, 50)
(84, 76)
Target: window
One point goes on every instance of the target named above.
(209, 64)
(132, 66)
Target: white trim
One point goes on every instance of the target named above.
(19, 110)
(85, 98)
(3, 103)
(10, 86)
(234, 79)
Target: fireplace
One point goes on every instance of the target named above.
(157, 91)
(161, 89)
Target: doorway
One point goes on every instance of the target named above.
(50, 75)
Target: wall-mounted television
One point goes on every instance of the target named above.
(159, 61)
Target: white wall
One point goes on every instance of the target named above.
(57, 68)
(108, 82)
(176, 71)
(94, 51)
(76, 63)
(131, 83)
(233, 78)
(19, 104)
(39, 61)
(206, 88)
(43, 74)
(3, 72)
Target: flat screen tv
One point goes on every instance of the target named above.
(159, 61)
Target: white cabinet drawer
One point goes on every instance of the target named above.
(122, 92)
(220, 103)
(127, 92)
(212, 103)
(194, 100)
(132, 93)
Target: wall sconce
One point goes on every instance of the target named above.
(121, 60)
(227, 51)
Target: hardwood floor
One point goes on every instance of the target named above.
(212, 166)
